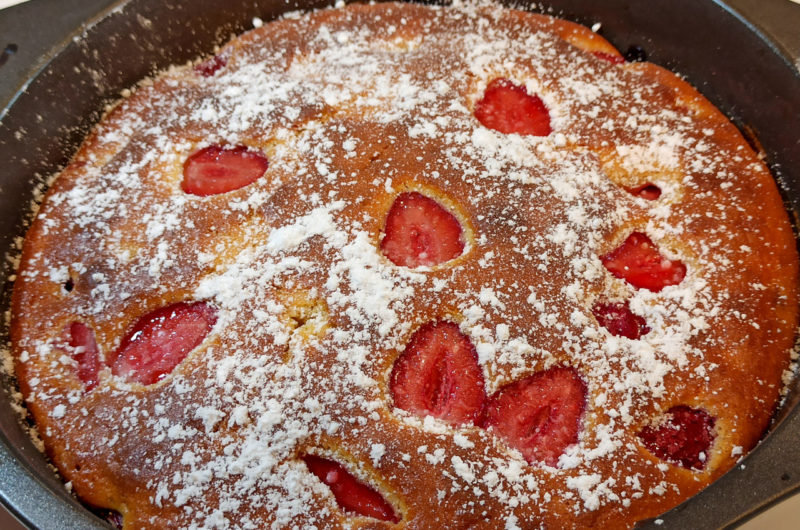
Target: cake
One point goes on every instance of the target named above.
(405, 266)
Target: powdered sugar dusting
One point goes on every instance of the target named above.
(360, 105)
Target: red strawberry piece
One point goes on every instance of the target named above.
(609, 57)
(639, 262)
(539, 415)
(419, 231)
(619, 320)
(220, 169)
(438, 375)
(210, 66)
(84, 351)
(683, 437)
(114, 518)
(647, 191)
(508, 108)
(161, 340)
(352, 495)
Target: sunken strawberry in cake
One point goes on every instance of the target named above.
(401, 266)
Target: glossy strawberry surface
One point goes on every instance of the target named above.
(683, 437)
(619, 320)
(420, 232)
(219, 169)
(438, 375)
(639, 262)
(540, 415)
(508, 108)
(352, 495)
(160, 340)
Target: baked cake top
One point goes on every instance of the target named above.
(464, 261)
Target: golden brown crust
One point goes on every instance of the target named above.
(354, 106)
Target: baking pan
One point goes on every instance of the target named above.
(62, 61)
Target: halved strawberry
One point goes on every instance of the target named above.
(683, 436)
(419, 231)
(220, 169)
(210, 66)
(647, 191)
(639, 262)
(539, 415)
(609, 57)
(84, 351)
(352, 495)
(161, 340)
(508, 108)
(438, 375)
(619, 320)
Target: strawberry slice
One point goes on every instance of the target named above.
(112, 517)
(210, 66)
(220, 169)
(352, 495)
(683, 437)
(419, 232)
(161, 340)
(84, 351)
(619, 320)
(539, 415)
(438, 375)
(639, 262)
(609, 57)
(508, 108)
(647, 191)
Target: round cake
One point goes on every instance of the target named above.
(396, 265)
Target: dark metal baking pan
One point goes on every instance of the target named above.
(61, 61)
